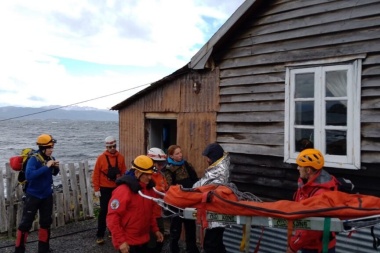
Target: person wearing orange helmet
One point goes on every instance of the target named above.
(40, 169)
(313, 180)
(130, 218)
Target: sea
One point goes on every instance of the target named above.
(77, 141)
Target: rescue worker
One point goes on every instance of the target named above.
(313, 180)
(40, 169)
(218, 172)
(159, 161)
(109, 166)
(130, 217)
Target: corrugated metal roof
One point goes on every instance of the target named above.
(274, 240)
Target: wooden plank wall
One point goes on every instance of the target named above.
(73, 202)
(196, 115)
(252, 72)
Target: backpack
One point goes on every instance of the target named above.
(345, 185)
(18, 163)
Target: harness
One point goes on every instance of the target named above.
(113, 171)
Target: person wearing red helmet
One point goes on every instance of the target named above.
(130, 218)
(313, 180)
(40, 169)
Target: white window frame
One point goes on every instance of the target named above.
(352, 159)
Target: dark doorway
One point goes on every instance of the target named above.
(161, 133)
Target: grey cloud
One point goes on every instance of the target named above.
(85, 25)
(35, 98)
(127, 28)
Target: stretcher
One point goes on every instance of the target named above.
(326, 224)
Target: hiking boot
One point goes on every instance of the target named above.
(100, 240)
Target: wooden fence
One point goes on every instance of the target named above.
(72, 202)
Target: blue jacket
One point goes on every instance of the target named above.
(39, 178)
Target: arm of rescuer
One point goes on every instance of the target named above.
(97, 173)
(308, 238)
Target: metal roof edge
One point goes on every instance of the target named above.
(185, 69)
(199, 60)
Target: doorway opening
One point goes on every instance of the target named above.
(161, 133)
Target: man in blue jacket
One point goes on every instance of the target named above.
(40, 169)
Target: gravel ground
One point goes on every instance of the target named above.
(74, 237)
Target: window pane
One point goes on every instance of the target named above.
(304, 138)
(336, 83)
(336, 113)
(304, 113)
(304, 86)
(336, 142)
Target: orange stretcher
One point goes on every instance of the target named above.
(333, 211)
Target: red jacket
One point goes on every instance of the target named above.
(130, 217)
(309, 239)
(99, 176)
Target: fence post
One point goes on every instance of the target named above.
(3, 209)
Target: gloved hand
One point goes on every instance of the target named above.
(97, 194)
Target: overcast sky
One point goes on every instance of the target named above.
(62, 52)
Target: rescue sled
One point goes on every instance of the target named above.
(330, 212)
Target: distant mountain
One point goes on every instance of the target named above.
(50, 112)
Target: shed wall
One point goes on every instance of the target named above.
(196, 115)
(250, 122)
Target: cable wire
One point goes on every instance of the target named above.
(60, 107)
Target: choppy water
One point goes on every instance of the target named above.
(76, 140)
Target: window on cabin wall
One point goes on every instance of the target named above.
(323, 111)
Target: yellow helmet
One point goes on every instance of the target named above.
(45, 140)
(311, 157)
(143, 164)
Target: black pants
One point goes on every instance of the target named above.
(105, 196)
(45, 209)
(31, 206)
(213, 241)
(138, 248)
(190, 235)
(153, 245)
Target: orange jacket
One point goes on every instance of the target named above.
(99, 176)
(162, 186)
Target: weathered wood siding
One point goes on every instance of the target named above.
(250, 122)
(196, 115)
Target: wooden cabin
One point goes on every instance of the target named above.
(179, 109)
(277, 74)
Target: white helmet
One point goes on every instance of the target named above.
(157, 154)
(110, 140)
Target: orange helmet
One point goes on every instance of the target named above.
(311, 157)
(143, 164)
(45, 140)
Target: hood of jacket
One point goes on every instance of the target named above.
(134, 184)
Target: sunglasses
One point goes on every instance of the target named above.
(110, 147)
